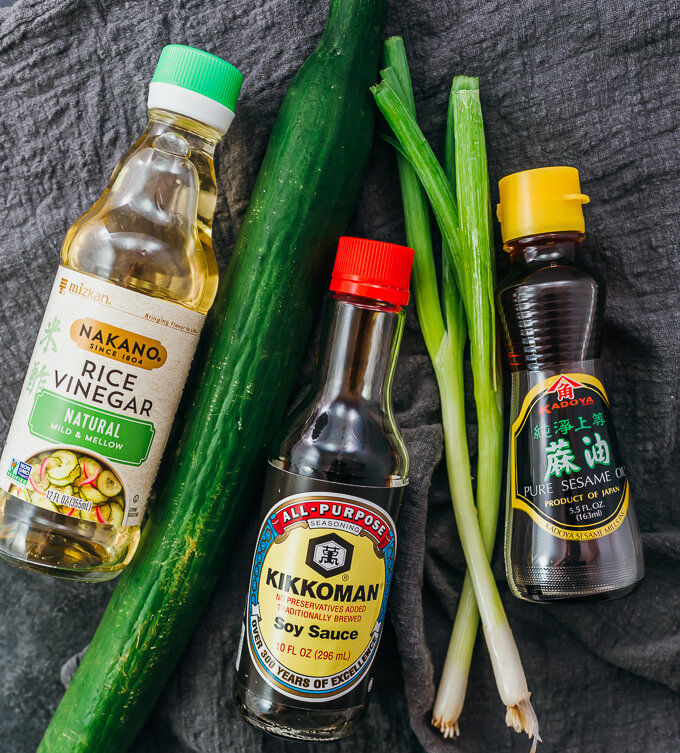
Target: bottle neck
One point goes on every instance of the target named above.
(198, 136)
(189, 139)
(550, 307)
(547, 248)
(359, 348)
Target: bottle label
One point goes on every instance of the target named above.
(319, 585)
(566, 472)
(98, 400)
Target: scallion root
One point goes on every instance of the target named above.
(448, 729)
(522, 718)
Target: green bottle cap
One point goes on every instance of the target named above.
(199, 72)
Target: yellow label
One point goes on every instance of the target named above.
(318, 593)
(565, 468)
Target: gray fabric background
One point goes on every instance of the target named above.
(592, 83)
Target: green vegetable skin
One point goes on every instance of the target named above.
(301, 203)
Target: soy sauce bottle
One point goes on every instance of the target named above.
(571, 530)
(324, 555)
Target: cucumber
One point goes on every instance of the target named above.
(68, 491)
(301, 203)
(92, 494)
(116, 514)
(41, 501)
(90, 466)
(34, 481)
(61, 480)
(67, 463)
(108, 484)
(19, 492)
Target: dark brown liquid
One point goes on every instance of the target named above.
(343, 433)
(550, 309)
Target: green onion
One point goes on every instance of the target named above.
(467, 152)
(468, 295)
(416, 212)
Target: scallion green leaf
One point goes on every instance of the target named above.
(467, 292)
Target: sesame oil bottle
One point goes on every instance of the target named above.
(571, 529)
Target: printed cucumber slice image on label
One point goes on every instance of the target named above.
(565, 465)
(318, 593)
(75, 484)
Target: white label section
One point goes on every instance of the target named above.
(102, 387)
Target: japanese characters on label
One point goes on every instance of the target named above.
(565, 466)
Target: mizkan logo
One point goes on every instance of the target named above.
(84, 291)
(118, 344)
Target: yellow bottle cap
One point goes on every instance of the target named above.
(545, 200)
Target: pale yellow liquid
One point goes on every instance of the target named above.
(150, 231)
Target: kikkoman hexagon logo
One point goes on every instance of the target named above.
(329, 555)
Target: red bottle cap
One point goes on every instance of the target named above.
(373, 269)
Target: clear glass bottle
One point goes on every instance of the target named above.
(571, 529)
(137, 276)
(340, 459)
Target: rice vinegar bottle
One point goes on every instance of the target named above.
(137, 277)
(571, 529)
(317, 595)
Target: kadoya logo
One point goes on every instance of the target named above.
(319, 512)
(563, 388)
